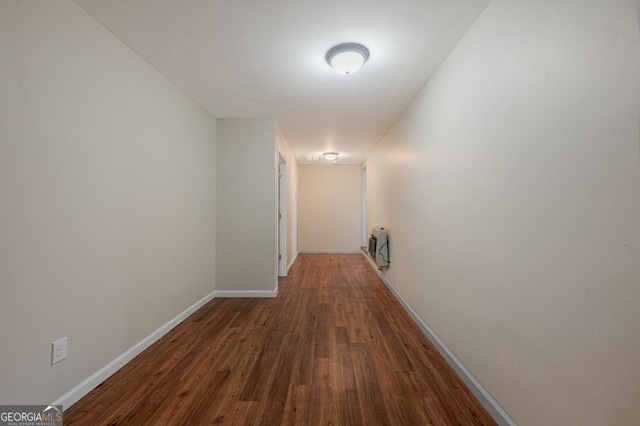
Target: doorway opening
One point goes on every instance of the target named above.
(365, 236)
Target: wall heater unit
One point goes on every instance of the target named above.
(379, 246)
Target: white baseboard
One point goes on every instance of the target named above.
(487, 401)
(295, 256)
(246, 293)
(90, 383)
(330, 251)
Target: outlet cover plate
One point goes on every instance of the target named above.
(58, 350)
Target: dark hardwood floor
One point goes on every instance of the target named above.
(335, 347)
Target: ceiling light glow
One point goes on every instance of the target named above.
(347, 58)
(330, 156)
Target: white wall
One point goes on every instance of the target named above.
(511, 189)
(246, 228)
(292, 196)
(107, 192)
(329, 208)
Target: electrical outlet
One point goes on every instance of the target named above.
(58, 350)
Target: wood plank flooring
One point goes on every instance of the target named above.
(334, 348)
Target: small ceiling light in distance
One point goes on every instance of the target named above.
(330, 156)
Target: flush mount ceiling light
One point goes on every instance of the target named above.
(347, 58)
(330, 155)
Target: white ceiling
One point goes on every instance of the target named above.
(241, 58)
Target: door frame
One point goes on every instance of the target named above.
(282, 216)
(363, 218)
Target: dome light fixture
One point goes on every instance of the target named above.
(347, 58)
(330, 156)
